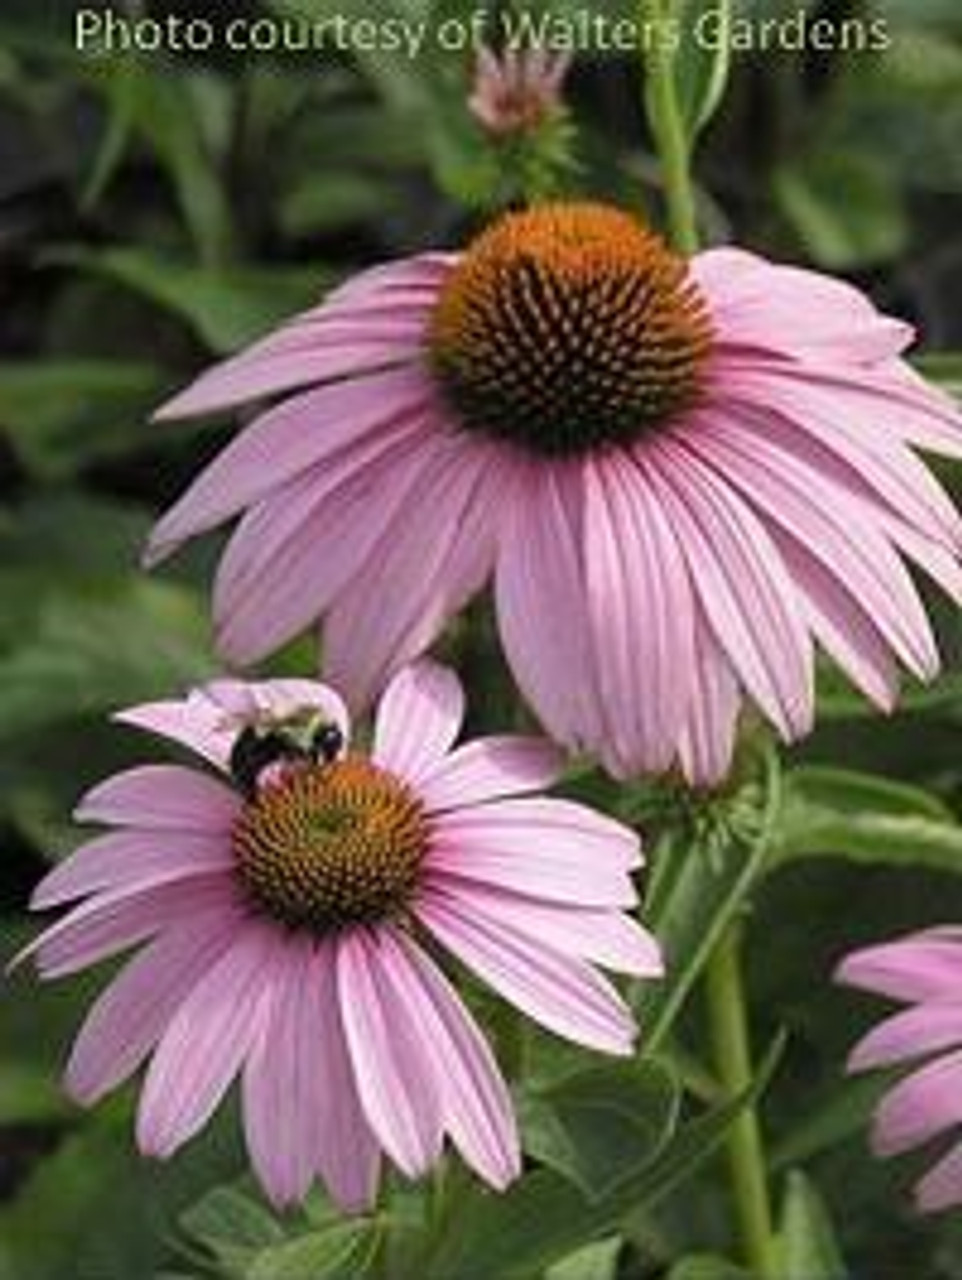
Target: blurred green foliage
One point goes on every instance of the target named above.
(159, 210)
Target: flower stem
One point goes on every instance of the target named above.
(667, 125)
(729, 1030)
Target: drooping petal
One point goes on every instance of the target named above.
(921, 967)
(742, 584)
(640, 610)
(161, 797)
(475, 1100)
(128, 860)
(391, 1061)
(375, 320)
(490, 769)
(193, 722)
(284, 443)
(281, 1121)
(418, 718)
(941, 1188)
(540, 595)
(271, 582)
(835, 527)
(420, 572)
(130, 1016)
(707, 741)
(911, 1033)
(561, 992)
(920, 1106)
(206, 1042)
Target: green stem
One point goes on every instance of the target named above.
(729, 1028)
(666, 122)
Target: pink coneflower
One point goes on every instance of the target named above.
(291, 914)
(680, 475)
(924, 972)
(516, 92)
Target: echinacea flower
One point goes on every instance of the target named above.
(924, 972)
(681, 475)
(516, 92)
(290, 904)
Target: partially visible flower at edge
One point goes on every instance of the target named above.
(517, 91)
(680, 476)
(290, 927)
(924, 972)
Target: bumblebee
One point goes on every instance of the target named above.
(305, 736)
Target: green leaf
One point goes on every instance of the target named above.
(846, 208)
(231, 1226)
(707, 1266)
(62, 414)
(808, 1245)
(865, 818)
(544, 1217)
(591, 1262)
(602, 1124)
(692, 902)
(945, 369)
(226, 307)
(342, 1249)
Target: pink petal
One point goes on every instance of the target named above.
(878, 461)
(281, 1121)
(707, 741)
(128, 860)
(941, 1188)
(608, 938)
(912, 1033)
(756, 303)
(742, 584)
(561, 992)
(284, 443)
(540, 594)
(834, 526)
(640, 609)
(206, 1042)
(917, 1108)
(271, 582)
(388, 306)
(421, 571)
(162, 797)
(301, 1110)
(193, 722)
(130, 1016)
(920, 967)
(392, 1064)
(418, 719)
(112, 922)
(475, 1100)
(842, 627)
(489, 769)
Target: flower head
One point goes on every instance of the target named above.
(289, 905)
(516, 92)
(680, 476)
(924, 972)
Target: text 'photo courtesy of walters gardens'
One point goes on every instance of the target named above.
(480, 646)
(578, 30)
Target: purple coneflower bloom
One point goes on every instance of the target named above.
(680, 476)
(518, 91)
(924, 972)
(290, 904)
